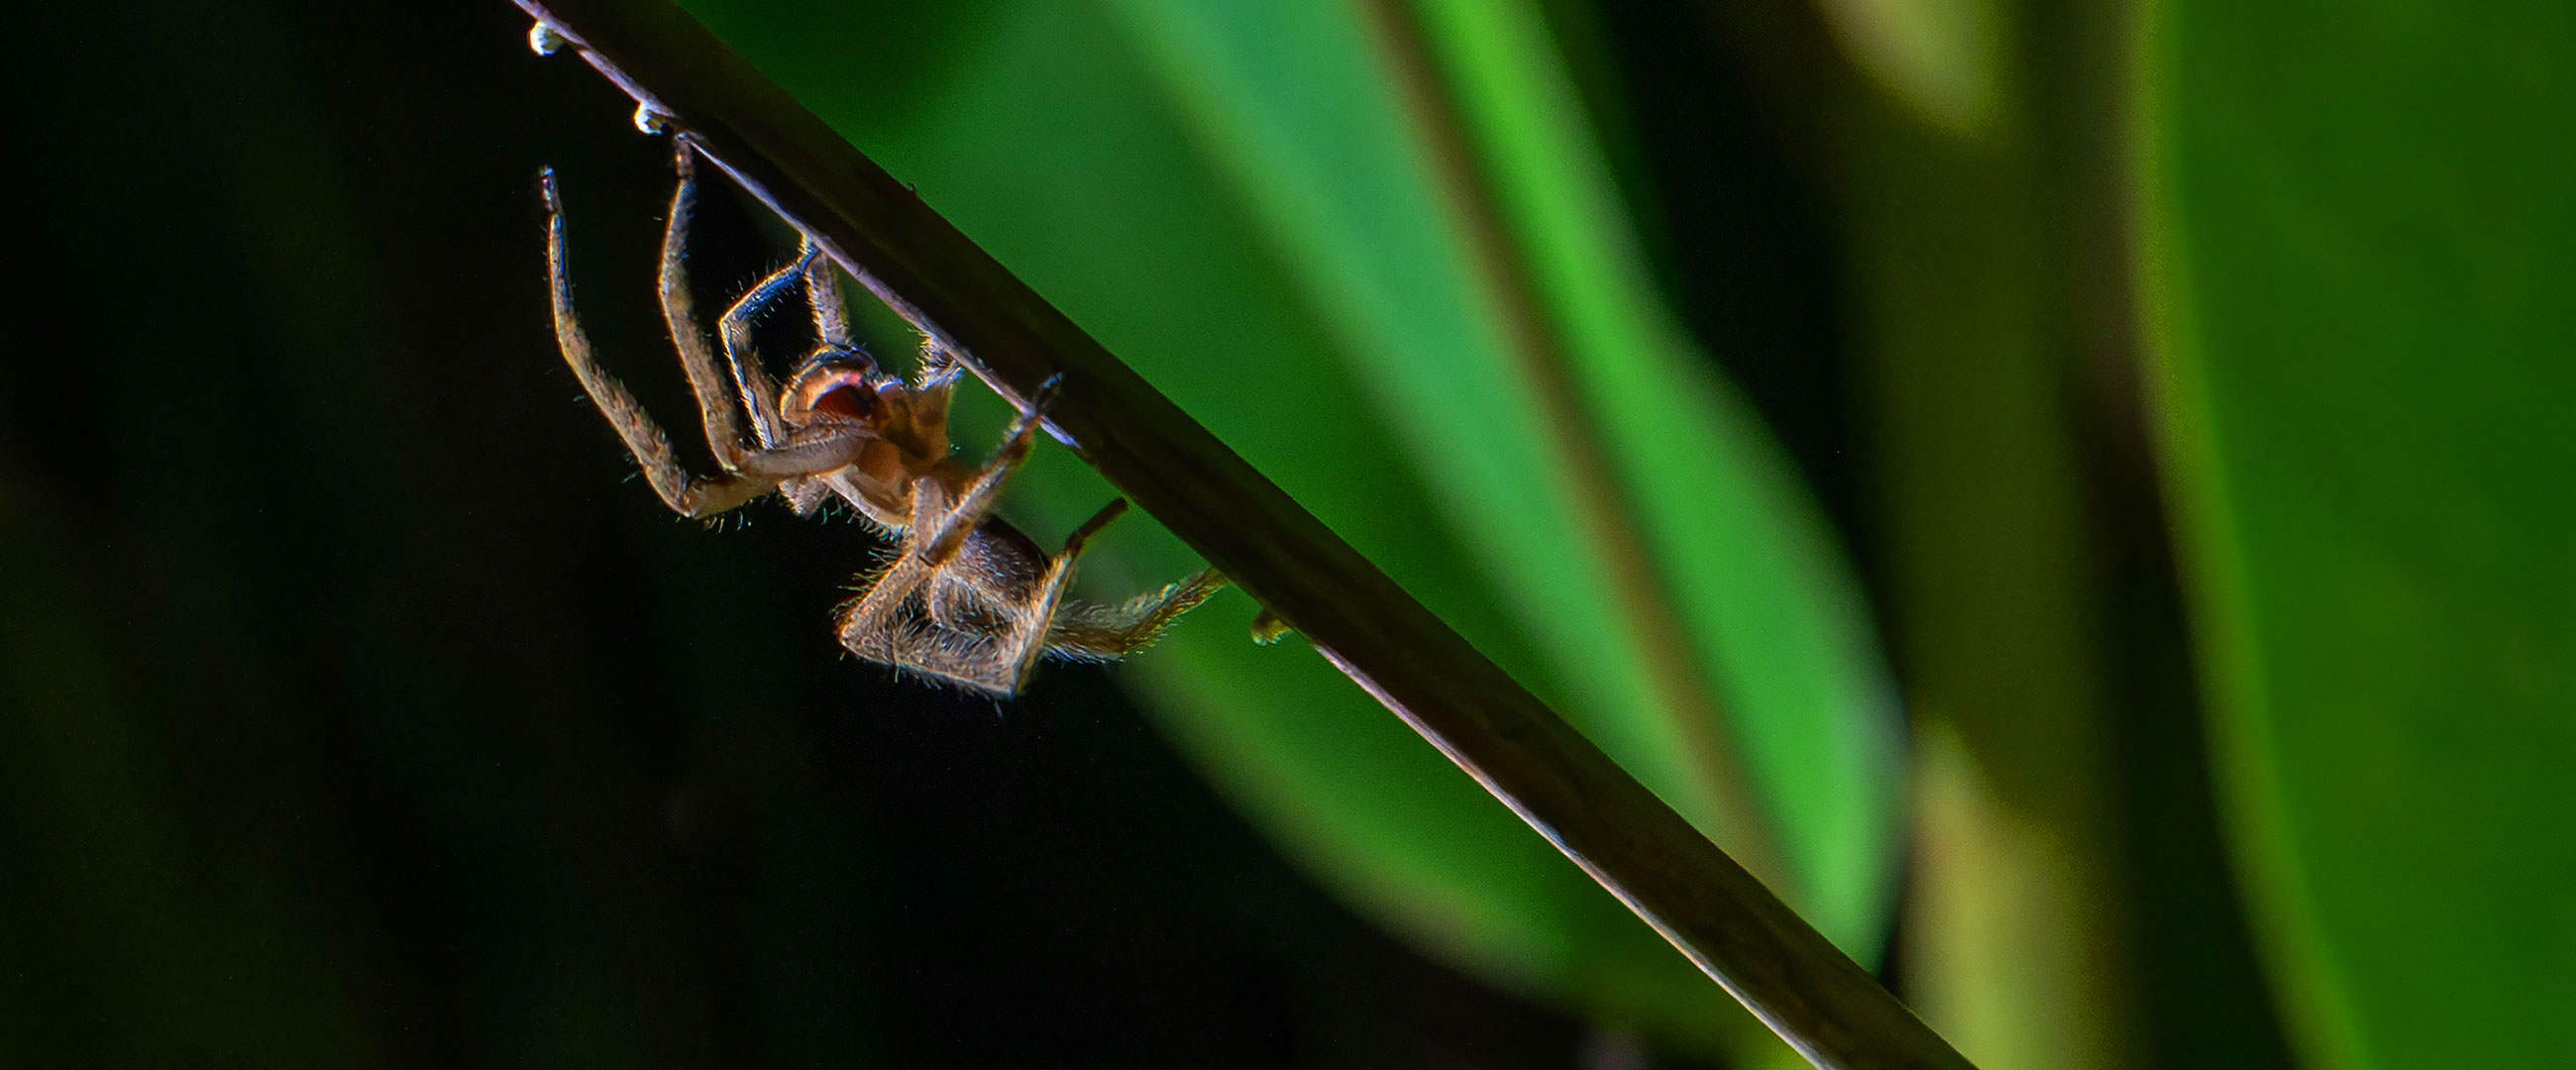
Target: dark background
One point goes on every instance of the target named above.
(363, 709)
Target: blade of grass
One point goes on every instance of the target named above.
(1716, 914)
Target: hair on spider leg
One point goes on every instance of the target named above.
(831, 511)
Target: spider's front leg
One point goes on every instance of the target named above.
(750, 473)
(717, 410)
(758, 393)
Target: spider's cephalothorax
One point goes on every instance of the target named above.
(967, 598)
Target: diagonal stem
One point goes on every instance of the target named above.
(1715, 913)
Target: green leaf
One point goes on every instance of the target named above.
(1260, 232)
(2360, 255)
(1772, 614)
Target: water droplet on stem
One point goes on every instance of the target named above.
(544, 40)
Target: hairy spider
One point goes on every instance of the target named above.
(968, 598)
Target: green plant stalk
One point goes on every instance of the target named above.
(1639, 849)
(2017, 907)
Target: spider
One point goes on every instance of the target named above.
(967, 598)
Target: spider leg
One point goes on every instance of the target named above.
(759, 395)
(994, 659)
(932, 386)
(686, 494)
(941, 541)
(1088, 632)
(1021, 649)
(823, 295)
(751, 474)
(982, 621)
(870, 624)
(804, 495)
(679, 312)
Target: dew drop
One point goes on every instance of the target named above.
(652, 120)
(544, 40)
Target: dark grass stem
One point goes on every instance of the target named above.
(1719, 916)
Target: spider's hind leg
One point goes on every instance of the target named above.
(895, 621)
(1085, 631)
(1021, 649)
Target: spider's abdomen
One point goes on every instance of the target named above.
(999, 567)
(1002, 560)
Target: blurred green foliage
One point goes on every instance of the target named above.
(2362, 249)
